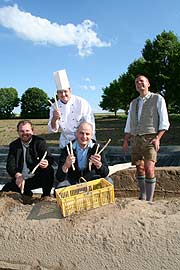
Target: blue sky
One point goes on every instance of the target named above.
(94, 40)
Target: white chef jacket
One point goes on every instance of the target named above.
(162, 111)
(75, 111)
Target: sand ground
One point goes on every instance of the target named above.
(129, 234)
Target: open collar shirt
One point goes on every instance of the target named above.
(162, 111)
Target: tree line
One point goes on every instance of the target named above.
(34, 103)
(160, 62)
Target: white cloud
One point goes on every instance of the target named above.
(88, 87)
(87, 79)
(42, 31)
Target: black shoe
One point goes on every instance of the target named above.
(28, 193)
(26, 199)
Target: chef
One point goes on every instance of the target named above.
(68, 111)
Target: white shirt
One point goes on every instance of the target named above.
(75, 111)
(162, 111)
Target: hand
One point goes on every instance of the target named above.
(96, 160)
(69, 161)
(43, 163)
(125, 146)
(56, 114)
(19, 179)
(20, 182)
(156, 142)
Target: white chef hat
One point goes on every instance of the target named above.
(61, 80)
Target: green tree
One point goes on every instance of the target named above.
(34, 103)
(160, 62)
(120, 92)
(111, 98)
(126, 82)
(173, 85)
(162, 56)
(8, 101)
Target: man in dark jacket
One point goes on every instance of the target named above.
(80, 158)
(25, 153)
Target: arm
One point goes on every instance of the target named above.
(163, 114)
(53, 123)
(156, 140)
(126, 142)
(163, 121)
(127, 131)
(12, 163)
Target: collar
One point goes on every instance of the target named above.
(26, 145)
(146, 97)
(76, 145)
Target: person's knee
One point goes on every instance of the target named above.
(149, 171)
(10, 186)
(109, 179)
(64, 183)
(140, 169)
(47, 174)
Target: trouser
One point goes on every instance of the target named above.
(44, 179)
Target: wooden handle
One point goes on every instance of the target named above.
(22, 187)
(56, 102)
(50, 102)
(70, 152)
(104, 146)
(90, 162)
(35, 168)
(97, 148)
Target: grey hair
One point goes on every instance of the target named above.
(84, 122)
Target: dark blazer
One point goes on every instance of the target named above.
(37, 148)
(74, 176)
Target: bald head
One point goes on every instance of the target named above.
(84, 134)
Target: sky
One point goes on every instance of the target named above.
(93, 40)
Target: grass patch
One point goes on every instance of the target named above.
(107, 126)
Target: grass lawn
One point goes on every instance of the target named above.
(107, 126)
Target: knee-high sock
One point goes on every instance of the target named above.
(150, 184)
(141, 183)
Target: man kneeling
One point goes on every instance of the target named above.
(80, 158)
(25, 153)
